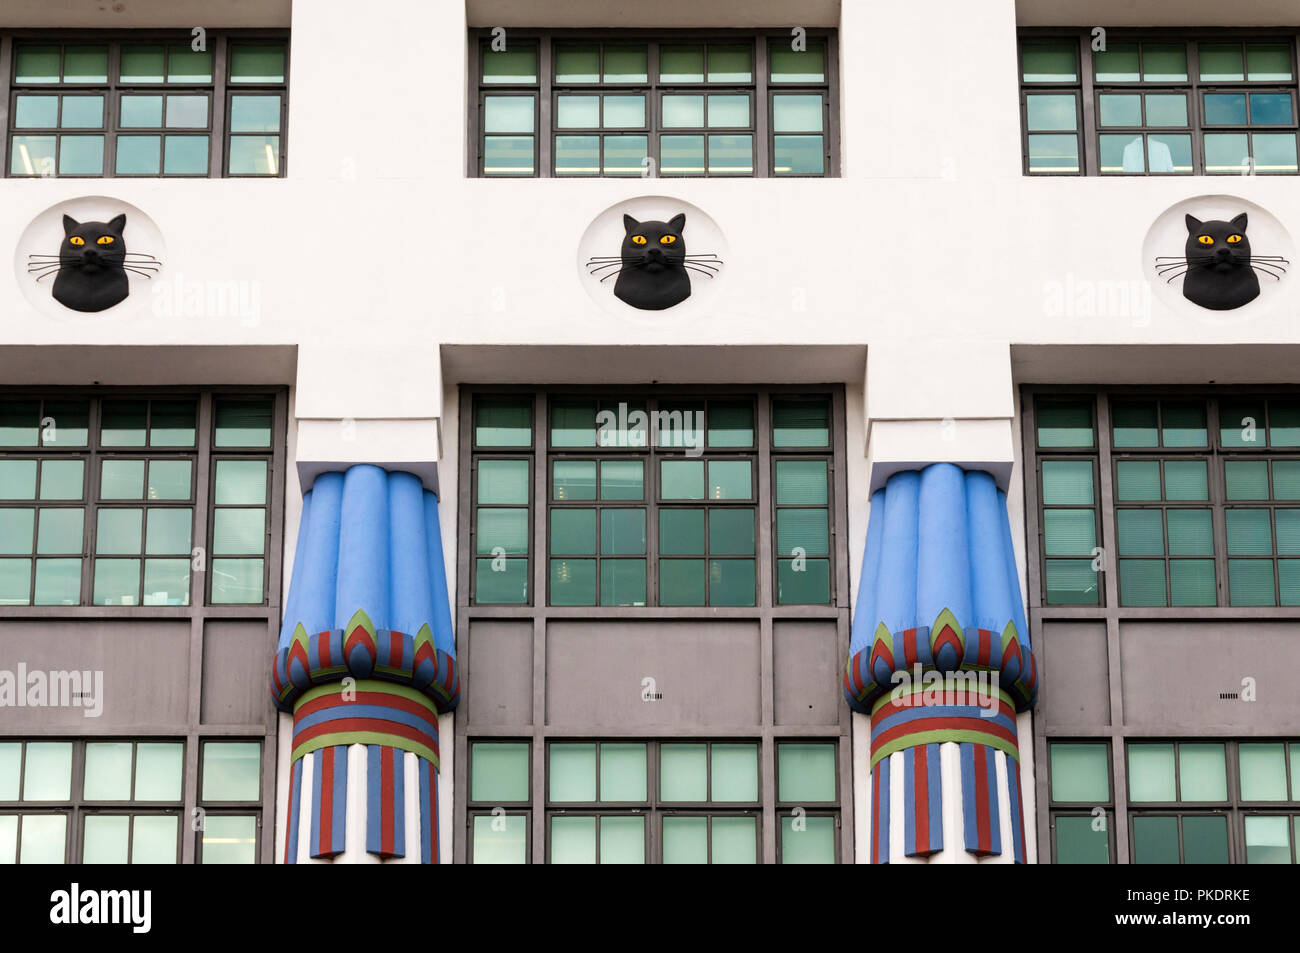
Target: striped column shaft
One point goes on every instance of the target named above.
(922, 801)
(329, 801)
(979, 800)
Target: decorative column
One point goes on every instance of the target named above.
(940, 660)
(365, 663)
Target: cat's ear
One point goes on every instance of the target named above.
(677, 222)
(1193, 223)
(1239, 223)
(69, 223)
(629, 222)
(116, 225)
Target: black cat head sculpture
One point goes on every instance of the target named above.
(91, 267)
(1218, 264)
(652, 266)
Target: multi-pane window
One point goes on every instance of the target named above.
(499, 795)
(147, 106)
(93, 802)
(653, 501)
(1081, 806)
(1205, 495)
(99, 497)
(1156, 105)
(230, 800)
(629, 104)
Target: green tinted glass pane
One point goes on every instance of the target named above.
(105, 839)
(262, 114)
(625, 155)
(573, 424)
(11, 756)
(1192, 583)
(17, 532)
(728, 480)
(731, 532)
(59, 532)
(141, 64)
(229, 840)
(244, 423)
(17, 479)
(121, 480)
(158, 770)
(731, 424)
(1268, 840)
(153, 840)
(686, 840)
(58, 582)
(185, 65)
(504, 529)
(1151, 772)
(1249, 533)
(1270, 108)
(1241, 423)
(1064, 423)
(1190, 533)
(44, 838)
(168, 532)
(622, 532)
(1225, 109)
(572, 771)
(508, 155)
(735, 840)
(502, 422)
(683, 112)
(1051, 62)
(1287, 528)
(681, 582)
(622, 480)
(499, 772)
(256, 64)
(791, 112)
(1069, 532)
(1205, 840)
(1135, 424)
(573, 582)
(734, 155)
(622, 772)
(812, 843)
(501, 581)
(32, 155)
(237, 581)
(1263, 771)
(1123, 153)
(513, 65)
(683, 772)
(1250, 582)
(801, 423)
(1077, 842)
(16, 582)
(1070, 482)
(803, 582)
(1246, 479)
(36, 112)
(81, 155)
(798, 155)
(85, 64)
(622, 582)
(239, 482)
(797, 66)
(683, 479)
(731, 582)
(503, 481)
(47, 774)
(573, 531)
(680, 425)
(1185, 480)
(62, 479)
(1164, 62)
(1202, 774)
(117, 582)
(734, 772)
(36, 64)
(622, 840)
(681, 64)
(1183, 424)
(1134, 480)
(239, 532)
(1080, 772)
(624, 112)
(172, 422)
(166, 582)
(805, 481)
(805, 773)
(731, 63)
(83, 112)
(1288, 572)
(573, 840)
(231, 771)
(802, 532)
(1071, 582)
(1166, 109)
(1227, 152)
(108, 771)
(503, 114)
(625, 64)
(139, 155)
(191, 112)
(1220, 62)
(1142, 582)
(1268, 62)
(500, 840)
(1155, 840)
(1058, 112)
(1118, 63)
(67, 423)
(1284, 423)
(681, 532)
(1275, 152)
(577, 63)
(140, 112)
(570, 479)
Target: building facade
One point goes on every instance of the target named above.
(424, 438)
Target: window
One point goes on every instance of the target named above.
(805, 789)
(653, 500)
(98, 498)
(629, 103)
(1080, 802)
(147, 105)
(230, 800)
(94, 802)
(1205, 494)
(500, 775)
(1159, 105)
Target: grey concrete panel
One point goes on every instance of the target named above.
(500, 659)
(235, 686)
(1074, 675)
(806, 673)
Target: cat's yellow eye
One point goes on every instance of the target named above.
(1233, 239)
(104, 240)
(1206, 240)
(76, 240)
(667, 239)
(638, 239)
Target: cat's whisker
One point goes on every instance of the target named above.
(1171, 278)
(47, 274)
(1273, 275)
(619, 272)
(706, 274)
(137, 271)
